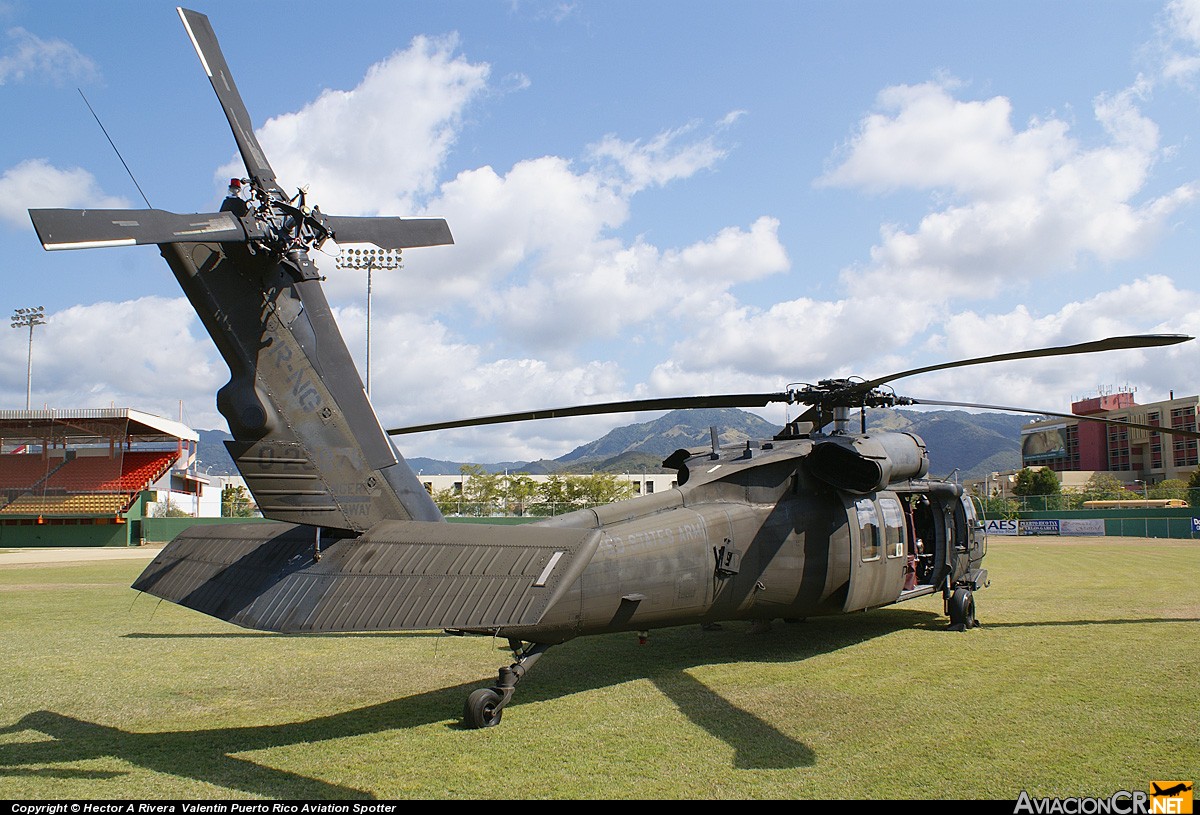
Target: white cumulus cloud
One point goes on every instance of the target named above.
(30, 58)
(37, 184)
(377, 148)
(97, 354)
(1023, 203)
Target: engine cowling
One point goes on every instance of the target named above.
(865, 464)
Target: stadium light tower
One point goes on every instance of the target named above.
(370, 260)
(29, 317)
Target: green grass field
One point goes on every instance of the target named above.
(1083, 680)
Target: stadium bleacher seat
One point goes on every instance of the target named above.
(18, 471)
(84, 485)
(50, 505)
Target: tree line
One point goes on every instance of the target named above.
(483, 494)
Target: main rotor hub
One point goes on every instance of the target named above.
(828, 394)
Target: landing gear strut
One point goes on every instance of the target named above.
(485, 706)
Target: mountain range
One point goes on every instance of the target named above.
(974, 444)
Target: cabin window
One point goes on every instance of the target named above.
(893, 527)
(868, 526)
(962, 514)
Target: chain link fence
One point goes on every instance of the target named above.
(1063, 512)
(997, 507)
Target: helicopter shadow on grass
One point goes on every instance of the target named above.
(670, 653)
(211, 756)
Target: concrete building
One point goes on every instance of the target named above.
(1132, 454)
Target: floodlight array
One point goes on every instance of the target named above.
(28, 317)
(369, 260)
(373, 258)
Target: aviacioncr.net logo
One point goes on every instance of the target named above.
(1122, 802)
(1170, 798)
(1164, 798)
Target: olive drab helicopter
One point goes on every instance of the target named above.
(825, 518)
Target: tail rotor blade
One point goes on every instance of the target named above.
(390, 233)
(91, 228)
(204, 39)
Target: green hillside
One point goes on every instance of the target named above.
(974, 444)
(679, 428)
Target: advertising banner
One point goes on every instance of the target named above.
(1044, 443)
(1003, 526)
(1082, 526)
(1041, 526)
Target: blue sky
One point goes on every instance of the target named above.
(648, 199)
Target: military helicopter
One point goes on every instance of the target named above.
(822, 519)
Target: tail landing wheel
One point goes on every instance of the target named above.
(483, 709)
(961, 608)
(485, 706)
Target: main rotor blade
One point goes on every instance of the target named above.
(204, 39)
(739, 400)
(91, 228)
(390, 233)
(1171, 431)
(1110, 344)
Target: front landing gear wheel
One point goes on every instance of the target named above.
(482, 709)
(962, 610)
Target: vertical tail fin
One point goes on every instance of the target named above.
(305, 435)
(306, 438)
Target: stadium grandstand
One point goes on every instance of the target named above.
(84, 477)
